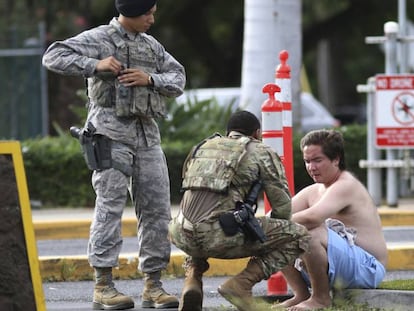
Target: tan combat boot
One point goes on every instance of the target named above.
(105, 295)
(154, 296)
(108, 298)
(192, 293)
(238, 289)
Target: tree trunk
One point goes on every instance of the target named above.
(270, 26)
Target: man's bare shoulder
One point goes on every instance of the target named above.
(355, 196)
(349, 182)
(308, 190)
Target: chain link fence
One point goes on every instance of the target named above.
(23, 83)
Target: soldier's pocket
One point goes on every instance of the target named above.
(148, 102)
(218, 244)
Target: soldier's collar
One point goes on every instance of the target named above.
(235, 134)
(124, 33)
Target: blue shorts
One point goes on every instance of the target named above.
(349, 266)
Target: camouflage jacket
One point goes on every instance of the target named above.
(80, 54)
(255, 161)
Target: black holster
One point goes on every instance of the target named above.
(242, 219)
(96, 148)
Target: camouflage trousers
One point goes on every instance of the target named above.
(285, 242)
(150, 191)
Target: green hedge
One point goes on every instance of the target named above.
(57, 174)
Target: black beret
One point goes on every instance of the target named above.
(132, 8)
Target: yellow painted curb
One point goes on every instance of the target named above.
(79, 229)
(394, 217)
(75, 229)
(400, 257)
(76, 268)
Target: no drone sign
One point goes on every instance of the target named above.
(394, 111)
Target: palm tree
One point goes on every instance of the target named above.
(270, 27)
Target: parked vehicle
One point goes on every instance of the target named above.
(314, 114)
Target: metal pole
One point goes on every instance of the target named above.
(14, 103)
(43, 83)
(374, 180)
(402, 19)
(403, 60)
(391, 35)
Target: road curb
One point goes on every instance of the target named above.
(71, 268)
(67, 268)
(75, 228)
(400, 256)
(79, 228)
(396, 217)
(77, 268)
(398, 300)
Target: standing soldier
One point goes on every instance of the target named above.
(129, 74)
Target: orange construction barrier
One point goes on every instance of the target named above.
(285, 97)
(277, 132)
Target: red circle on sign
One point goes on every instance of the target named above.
(403, 108)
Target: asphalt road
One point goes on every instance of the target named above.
(76, 296)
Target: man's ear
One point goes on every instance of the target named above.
(257, 134)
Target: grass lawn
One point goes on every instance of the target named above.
(397, 285)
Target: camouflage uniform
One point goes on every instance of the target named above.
(197, 231)
(135, 141)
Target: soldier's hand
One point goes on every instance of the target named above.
(133, 77)
(109, 64)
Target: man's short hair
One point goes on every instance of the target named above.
(244, 122)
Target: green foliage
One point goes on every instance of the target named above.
(56, 172)
(355, 137)
(301, 177)
(193, 121)
(397, 285)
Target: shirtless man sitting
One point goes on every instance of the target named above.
(353, 258)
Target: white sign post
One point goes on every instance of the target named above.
(394, 111)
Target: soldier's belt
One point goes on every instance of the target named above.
(200, 227)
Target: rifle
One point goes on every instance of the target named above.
(244, 215)
(243, 218)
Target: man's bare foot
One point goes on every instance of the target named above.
(290, 302)
(310, 304)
